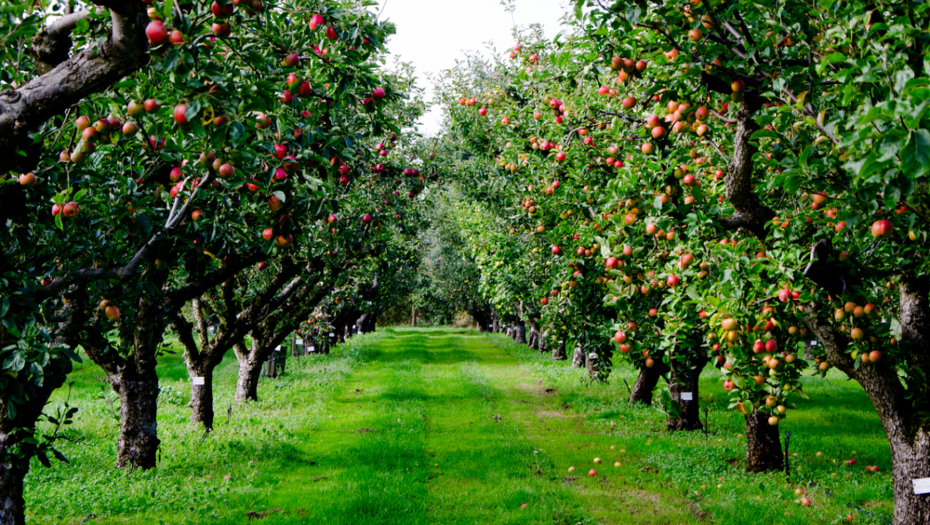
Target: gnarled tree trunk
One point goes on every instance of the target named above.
(686, 382)
(763, 450)
(520, 333)
(201, 402)
(138, 441)
(250, 371)
(578, 358)
(558, 351)
(646, 382)
(12, 504)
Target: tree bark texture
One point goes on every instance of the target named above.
(646, 383)
(250, 370)
(558, 351)
(579, 360)
(686, 381)
(12, 504)
(201, 402)
(763, 449)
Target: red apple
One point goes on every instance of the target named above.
(221, 29)
(70, 210)
(291, 60)
(179, 116)
(221, 11)
(27, 179)
(156, 33)
(111, 312)
(881, 228)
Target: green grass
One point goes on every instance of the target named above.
(449, 426)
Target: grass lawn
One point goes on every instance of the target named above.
(430, 426)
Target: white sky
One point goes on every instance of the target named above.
(432, 34)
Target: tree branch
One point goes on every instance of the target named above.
(52, 44)
(90, 71)
(749, 212)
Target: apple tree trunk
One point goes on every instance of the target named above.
(591, 362)
(911, 460)
(250, 372)
(578, 357)
(138, 433)
(763, 450)
(685, 382)
(558, 351)
(646, 383)
(12, 504)
(201, 402)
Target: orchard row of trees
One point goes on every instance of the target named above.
(221, 174)
(675, 184)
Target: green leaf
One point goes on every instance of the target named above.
(831, 59)
(4, 306)
(192, 110)
(15, 362)
(237, 134)
(167, 10)
(747, 406)
(915, 156)
(280, 195)
(763, 134)
(804, 154)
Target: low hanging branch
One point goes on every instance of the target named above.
(86, 72)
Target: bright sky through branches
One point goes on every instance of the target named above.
(432, 34)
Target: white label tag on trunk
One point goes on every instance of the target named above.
(922, 486)
(332, 335)
(199, 381)
(687, 396)
(300, 341)
(813, 343)
(277, 348)
(312, 349)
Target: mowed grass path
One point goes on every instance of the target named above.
(441, 426)
(437, 426)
